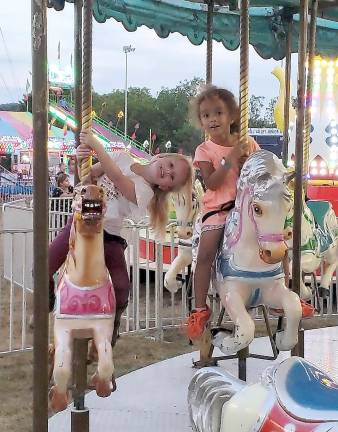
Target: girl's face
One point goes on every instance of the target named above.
(65, 184)
(215, 117)
(169, 172)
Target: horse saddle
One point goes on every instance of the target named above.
(306, 392)
(319, 210)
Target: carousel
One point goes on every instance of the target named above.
(294, 395)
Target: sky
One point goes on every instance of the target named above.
(154, 64)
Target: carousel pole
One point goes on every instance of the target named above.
(78, 5)
(309, 85)
(210, 18)
(87, 78)
(288, 49)
(298, 194)
(40, 214)
(206, 347)
(80, 414)
(244, 76)
(244, 123)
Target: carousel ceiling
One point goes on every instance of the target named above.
(268, 22)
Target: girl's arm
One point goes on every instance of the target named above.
(97, 170)
(110, 168)
(214, 178)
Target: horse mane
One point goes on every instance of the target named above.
(260, 172)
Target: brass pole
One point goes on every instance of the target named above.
(298, 197)
(78, 5)
(309, 85)
(210, 17)
(287, 93)
(40, 214)
(87, 78)
(244, 75)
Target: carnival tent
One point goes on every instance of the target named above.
(18, 127)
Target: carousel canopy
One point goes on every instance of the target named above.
(268, 22)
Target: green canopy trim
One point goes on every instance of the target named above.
(268, 22)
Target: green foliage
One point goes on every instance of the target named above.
(165, 114)
(21, 106)
(261, 113)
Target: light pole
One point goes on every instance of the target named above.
(126, 49)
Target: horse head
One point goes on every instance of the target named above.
(268, 212)
(89, 207)
(262, 204)
(186, 218)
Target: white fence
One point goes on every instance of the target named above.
(151, 306)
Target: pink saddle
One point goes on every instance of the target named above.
(72, 300)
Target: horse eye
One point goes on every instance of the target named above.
(257, 210)
(83, 190)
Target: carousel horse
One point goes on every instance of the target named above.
(248, 271)
(185, 229)
(85, 299)
(319, 243)
(292, 396)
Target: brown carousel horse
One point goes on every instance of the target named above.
(85, 299)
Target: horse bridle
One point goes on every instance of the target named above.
(270, 237)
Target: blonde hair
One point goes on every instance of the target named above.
(158, 207)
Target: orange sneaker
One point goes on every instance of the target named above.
(307, 309)
(197, 322)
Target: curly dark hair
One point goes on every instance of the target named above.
(209, 92)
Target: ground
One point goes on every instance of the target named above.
(131, 352)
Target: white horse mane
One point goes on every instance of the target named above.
(263, 177)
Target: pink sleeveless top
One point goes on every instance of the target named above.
(97, 302)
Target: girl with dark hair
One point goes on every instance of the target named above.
(219, 159)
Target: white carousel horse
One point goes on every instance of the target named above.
(319, 243)
(185, 229)
(85, 298)
(248, 269)
(291, 396)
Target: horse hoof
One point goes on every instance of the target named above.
(58, 401)
(224, 342)
(283, 345)
(215, 330)
(103, 388)
(323, 292)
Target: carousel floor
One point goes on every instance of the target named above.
(153, 399)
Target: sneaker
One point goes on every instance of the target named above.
(197, 322)
(308, 310)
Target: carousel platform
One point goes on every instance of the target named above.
(154, 398)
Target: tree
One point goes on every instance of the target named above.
(269, 116)
(256, 107)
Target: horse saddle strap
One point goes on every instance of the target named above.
(224, 207)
